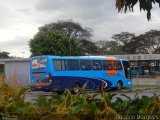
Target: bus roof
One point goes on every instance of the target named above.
(81, 57)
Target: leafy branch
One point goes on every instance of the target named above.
(145, 5)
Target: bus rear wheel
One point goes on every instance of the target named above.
(119, 85)
(76, 88)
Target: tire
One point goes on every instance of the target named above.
(76, 87)
(119, 85)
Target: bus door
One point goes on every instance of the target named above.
(38, 69)
(127, 69)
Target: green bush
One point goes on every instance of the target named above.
(84, 106)
(12, 102)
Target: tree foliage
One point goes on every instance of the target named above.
(52, 43)
(78, 37)
(109, 47)
(138, 45)
(114, 52)
(145, 5)
(70, 28)
(129, 43)
(4, 54)
(70, 38)
(123, 38)
(153, 36)
(88, 47)
(112, 45)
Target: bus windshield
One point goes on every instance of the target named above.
(127, 69)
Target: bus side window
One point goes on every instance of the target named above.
(107, 65)
(85, 64)
(73, 64)
(117, 65)
(59, 64)
(96, 65)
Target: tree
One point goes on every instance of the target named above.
(112, 45)
(88, 47)
(114, 52)
(146, 43)
(157, 51)
(146, 5)
(142, 44)
(4, 55)
(138, 44)
(70, 28)
(123, 38)
(113, 48)
(74, 31)
(154, 37)
(52, 43)
(101, 43)
(109, 47)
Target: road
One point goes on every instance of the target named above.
(30, 96)
(149, 81)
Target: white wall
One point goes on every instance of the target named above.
(17, 72)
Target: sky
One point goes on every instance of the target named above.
(20, 19)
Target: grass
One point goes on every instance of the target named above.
(1, 80)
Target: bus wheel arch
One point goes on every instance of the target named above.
(119, 84)
(76, 87)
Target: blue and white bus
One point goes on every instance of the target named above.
(58, 73)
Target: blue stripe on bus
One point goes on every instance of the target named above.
(61, 83)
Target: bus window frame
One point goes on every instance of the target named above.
(53, 60)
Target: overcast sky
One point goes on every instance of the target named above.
(20, 19)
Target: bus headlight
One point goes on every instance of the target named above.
(50, 80)
(129, 83)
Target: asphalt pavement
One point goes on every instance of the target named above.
(146, 81)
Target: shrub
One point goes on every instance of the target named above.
(85, 106)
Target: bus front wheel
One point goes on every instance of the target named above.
(76, 88)
(119, 85)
